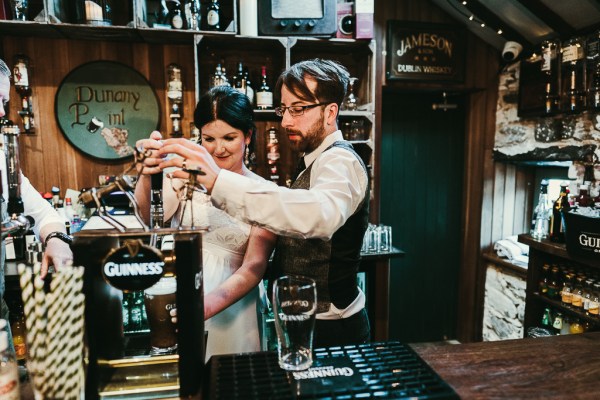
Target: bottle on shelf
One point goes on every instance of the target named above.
(192, 14)
(593, 68)
(249, 89)
(213, 16)
(541, 214)
(239, 81)
(20, 10)
(351, 101)
(9, 370)
(544, 280)
(558, 322)
(587, 294)
(573, 76)
(175, 98)
(175, 17)
(22, 85)
(566, 294)
(17, 328)
(594, 307)
(576, 326)
(559, 208)
(219, 77)
(549, 70)
(584, 199)
(554, 284)
(264, 95)
(273, 155)
(577, 293)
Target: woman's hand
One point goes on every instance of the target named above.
(150, 148)
(191, 157)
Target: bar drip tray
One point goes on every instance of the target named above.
(377, 370)
(139, 374)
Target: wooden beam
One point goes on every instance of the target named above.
(549, 17)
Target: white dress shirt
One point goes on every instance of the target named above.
(34, 204)
(338, 184)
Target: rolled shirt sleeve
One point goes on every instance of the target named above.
(338, 185)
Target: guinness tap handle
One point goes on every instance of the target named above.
(157, 213)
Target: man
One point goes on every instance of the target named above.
(322, 218)
(49, 226)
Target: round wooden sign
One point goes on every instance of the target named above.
(104, 107)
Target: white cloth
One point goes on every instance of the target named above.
(508, 249)
(34, 204)
(235, 329)
(337, 186)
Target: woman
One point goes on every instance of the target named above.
(235, 254)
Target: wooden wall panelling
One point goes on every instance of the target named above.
(47, 158)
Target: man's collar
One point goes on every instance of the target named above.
(327, 141)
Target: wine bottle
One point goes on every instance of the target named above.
(557, 221)
(249, 89)
(549, 70)
(273, 154)
(573, 65)
(264, 95)
(213, 16)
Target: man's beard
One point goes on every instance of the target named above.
(311, 140)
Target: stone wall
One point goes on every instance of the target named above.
(504, 306)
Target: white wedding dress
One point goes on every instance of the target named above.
(235, 329)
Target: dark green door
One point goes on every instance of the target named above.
(421, 198)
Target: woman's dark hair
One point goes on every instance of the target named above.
(332, 80)
(229, 105)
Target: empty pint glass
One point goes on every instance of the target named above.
(159, 300)
(294, 306)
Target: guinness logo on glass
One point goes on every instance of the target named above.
(134, 266)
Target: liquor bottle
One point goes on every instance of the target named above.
(23, 88)
(9, 370)
(541, 214)
(593, 69)
(239, 82)
(249, 89)
(175, 98)
(20, 10)
(584, 199)
(175, 18)
(264, 95)
(273, 154)
(192, 13)
(573, 66)
(213, 17)
(219, 78)
(566, 294)
(549, 69)
(560, 207)
(544, 280)
(17, 328)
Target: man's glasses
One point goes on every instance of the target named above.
(296, 111)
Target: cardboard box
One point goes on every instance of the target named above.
(364, 10)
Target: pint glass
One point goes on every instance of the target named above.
(294, 306)
(159, 300)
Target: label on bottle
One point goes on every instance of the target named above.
(175, 90)
(212, 18)
(21, 77)
(264, 99)
(547, 56)
(177, 21)
(572, 53)
(577, 300)
(9, 383)
(594, 307)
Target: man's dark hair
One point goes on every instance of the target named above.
(332, 81)
(4, 70)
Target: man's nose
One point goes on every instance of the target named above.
(287, 119)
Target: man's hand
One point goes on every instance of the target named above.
(57, 253)
(193, 156)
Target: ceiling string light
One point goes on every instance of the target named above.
(470, 16)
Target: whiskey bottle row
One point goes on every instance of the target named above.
(571, 75)
(261, 98)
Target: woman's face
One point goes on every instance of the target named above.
(226, 144)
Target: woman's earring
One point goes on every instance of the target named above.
(247, 157)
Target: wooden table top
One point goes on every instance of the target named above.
(555, 367)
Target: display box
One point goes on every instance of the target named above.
(583, 236)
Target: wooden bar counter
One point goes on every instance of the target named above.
(557, 367)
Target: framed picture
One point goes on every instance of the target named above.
(425, 52)
(104, 107)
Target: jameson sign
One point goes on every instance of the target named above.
(104, 107)
(417, 51)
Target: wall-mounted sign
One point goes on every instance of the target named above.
(426, 52)
(104, 107)
(134, 266)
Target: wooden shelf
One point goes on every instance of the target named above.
(570, 310)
